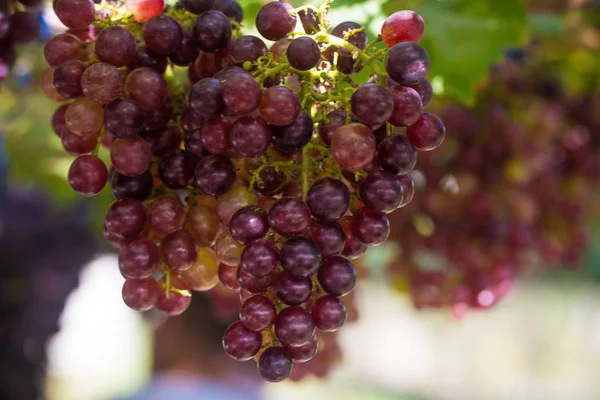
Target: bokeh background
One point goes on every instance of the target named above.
(66, 333)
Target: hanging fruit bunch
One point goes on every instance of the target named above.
(265, 169)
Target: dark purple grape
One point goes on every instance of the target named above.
(124, 118)
(241, 94)
(381, 191)
(276, 20)
(259, 258)
(250, 136)
(328, 313)
(293, 137)
(249, 223)
(231, 8)
(303, 53)
(215, 175)
(425, 91)
(294, 326)
(275, 364)
(163, 140)
(58, 119)
(148, 87)
(253, 284)
(77, 145)
(335, 120)
(75, 14)
(179, 250)
(87, 175)
(176, 169)
(289, 216)
(407, 63)
(186, 54)
(427, 133)
(139, 259)
(61, 48)
(258, 313)
(126, 217)
(292, 291)
(115, 45)
(205, 98)
(197, 6)
(408, 189)
(247, 48)
(328, 236)
(241, 343)
(162, 34)
(372, 104)
(215, 135)
(310, 21)
(370, 227)
(193, 144)
(137, 187)
(67, 78)
(189, 120)
(279, 105)
(271, 181)
(211, 31)
(358, 39)
(337, 276)
(130, 157)
(140, 294)
(102, 83)
(397, 155)
(328, 199)
(408, 105)
(144, 58)
(160, 117)
(300, 257)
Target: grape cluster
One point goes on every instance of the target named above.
(267, 170)
(525, 173)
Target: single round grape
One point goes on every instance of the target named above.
(337, 276)
(77, 145)
(353, 247)
(176, 169)
(163, 140)
(276, 20)
(275, 364)
(75, 14)
(137, 187)
(372, 104)
(328, 313)
(253, 284)
(397, 155)
(289, 216)
(162, 34)
(115, 45)
(197, 6)
(140, 295)
(328, 236)
(211, 31)
(61, 48)
(402, 26)
(87, 175)
(145, 58)
(215, 175)
(205, 98)
(160, 117)
(310, 21)
(67, 78)
(293, 137)
(358, 39)
(148, 87)
(353, 146)
(248, 224)
(203, 223)
(328, 199)
(241, 343)
(139, 259)
(102, 83)
(166, 214)
(179, 250)
(427, 133)
(186, 54)
(241, 93)
(258, 313)
(175, 303)
(215, 135)
(58, 119)
(294, 326)
(407, 63)
(85, 117)
(189, 121)
(303, 53)
(143, 10)
(130, 157)
(279, 105)
(230, 8)
(124, 118)
(408, 189)
(425, 91)
(334, 120)
(204, 274)
(370, 227)
(228, 250)
(228, 277)
(250, 136)
(271, 182)
(232, 201)
(300, 257)
(126, 217)
(303, 354)
(259, 258)
(292, 291)
(247, 48)
(408, 105)
(381, 191)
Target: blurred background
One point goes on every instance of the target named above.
(486, 289)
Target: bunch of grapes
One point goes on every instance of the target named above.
(516, 194)
(19, 24)
(267, 169)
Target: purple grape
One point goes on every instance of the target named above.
(176, 169)
(276, 20)
(205, 98)
(126, 217)
(248, 224)
(427, 133)
(241, 93)
(230, 8)
(258, 313)
(61, 48)
(335, 120)
(253, 284)
(328, 199)
(144, 58)
(162, 34)
(310, 21)
(148, 87)
(137, 187)
(241, 343)
(337, 276)
(302, 354)
(67, 78)
(358, 39)
(247, 48)
(115, 45)
(215, 175)
(425, 91)
(279, 105)
(303, 53)
(186, 54)
(193, 144)
(250, 136)
(271, 181)
(328, 236)
(215, 135)
(163, 140)
(292, 291)
(293, 137)
(197, 6)
(289, 216)
(102, 83)
(370, 227)
(179, 250)
(160, 117)
(139, 259)
(408, 106)
(372, 104)
(87, 175)
(259, 258)
(189, 120)
(294, 326)
(381, 191)
(408, 189)
(328, 313)
(397, 155)
(140, 294)
(407, 63)
(275, 364)
(124, 118)
(300, 257)
(211, 31)
(75, 14)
